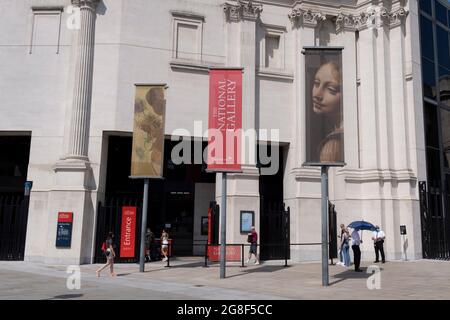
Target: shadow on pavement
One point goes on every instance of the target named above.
(259, 269)
(66, 296)
(351, 274)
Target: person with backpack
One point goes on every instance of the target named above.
(108, 251)
(253, 239)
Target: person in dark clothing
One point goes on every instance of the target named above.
(356, 241)
(378, 241)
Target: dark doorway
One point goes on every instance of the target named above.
(171, 199)
(274, 229)
(14, 160)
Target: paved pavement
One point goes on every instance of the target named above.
(187, 279)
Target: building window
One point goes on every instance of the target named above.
(187, 36)
(425, 5)
(441, 13)
(46, 30)
(272, 49)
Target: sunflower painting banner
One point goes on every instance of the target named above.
(148, 133)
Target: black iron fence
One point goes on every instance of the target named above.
(109, 219)
(13, 226)
(435, 221)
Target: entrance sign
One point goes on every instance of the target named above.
(64, 230)
(148, 133)
(225, 120)
(324, 110)
(128, 232)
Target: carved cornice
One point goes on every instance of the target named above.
(372, 17)
(87, 4)
(299, 16)
(242, 10)
(398, 17)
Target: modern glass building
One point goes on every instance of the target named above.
(435, 52)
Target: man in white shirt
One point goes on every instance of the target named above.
(378, 240)
(356, 241)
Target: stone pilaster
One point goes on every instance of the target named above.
(73, 189)
(82, 96)
(243, 188)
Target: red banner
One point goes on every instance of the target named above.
(225, 120)
(233, 253)
(128, 233)
(65, 216)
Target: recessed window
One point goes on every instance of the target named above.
(272, 49)
(45, 34)
(187, 36)
(273, 52)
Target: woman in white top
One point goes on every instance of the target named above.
(165, 244)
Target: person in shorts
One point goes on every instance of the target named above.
(165, 244)
(253, 239)
(110, 254)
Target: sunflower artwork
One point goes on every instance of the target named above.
(148, 133)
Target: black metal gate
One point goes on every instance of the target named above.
(13, 226)
(275, 236)
(109, 218)
(435, 222)
(332, 231)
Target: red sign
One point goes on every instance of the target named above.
(128, 234)
(65, 216)
(225, 120)
(233, 253)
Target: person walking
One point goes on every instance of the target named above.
(356, 241)
(109, 252)
(345, 235)
(253, 239)
(165, 244)
(378, 241)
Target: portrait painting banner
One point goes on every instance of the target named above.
(148, 133)
(225, 120)
(324, 110)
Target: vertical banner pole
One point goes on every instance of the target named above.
(223, 226)
(324, 176)
(143, 226)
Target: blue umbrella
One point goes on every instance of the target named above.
(361, 225)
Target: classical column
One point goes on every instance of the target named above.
(82, 94)
(243, 188)
(346, 29)
(399, 110)
(304, 196)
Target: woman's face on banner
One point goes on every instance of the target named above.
(327, 90)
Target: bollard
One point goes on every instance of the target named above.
(242, 255)
(206, 256)
(168, 256)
